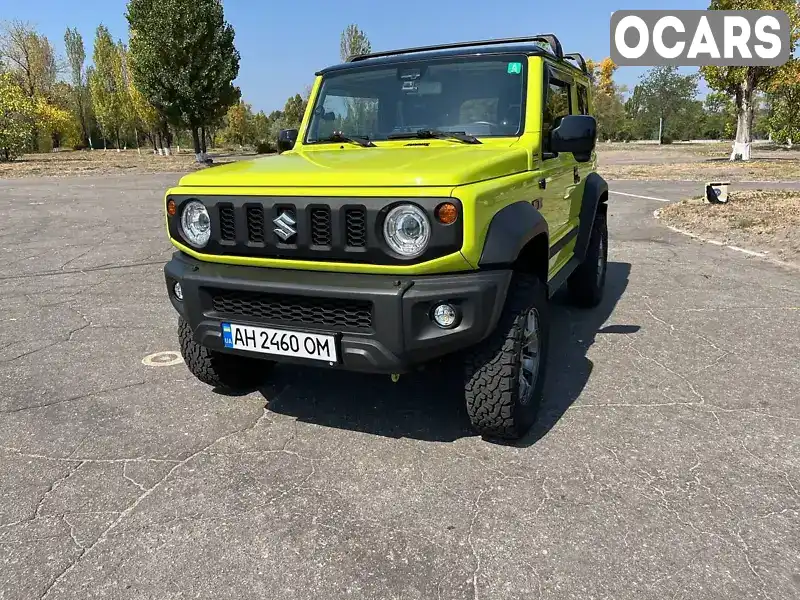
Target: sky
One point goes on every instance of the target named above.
(282, 44)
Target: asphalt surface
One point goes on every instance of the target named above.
(665, 463)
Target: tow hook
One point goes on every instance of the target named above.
(395, 377)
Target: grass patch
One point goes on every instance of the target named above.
(766, 220)
(783, 169)
(99, 162)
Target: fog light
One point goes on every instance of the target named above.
(444, 316)
(178, 291)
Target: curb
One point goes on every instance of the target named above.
(765, 255)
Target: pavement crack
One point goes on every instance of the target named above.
(70, 472)
(71, 529)
(128, 478)
(141, 498)
(74, 398)
(475, 555)
(139, 459)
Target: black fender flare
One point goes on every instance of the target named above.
(594, 191)
(510, 230)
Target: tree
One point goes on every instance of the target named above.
(104, 83)
(184, 60)
(122, 84)
(720, 116)
(76, 58)
(30, 57)
(742, 83)
(293, 111)
(240, 123)
(662, 95)
(605, 83)
(353, 42)
(17, 116)
(783, 123)
(609, 109)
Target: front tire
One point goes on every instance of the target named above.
(505, 373)
(217, 369)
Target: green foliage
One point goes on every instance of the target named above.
(662, 94)
(76, 58)
(742, 83)
(105, 85)
(184, 60)
(609, 109)
(719, 118)
(30, 57)
(293, 111)
(353, 42)
(17, 117)
(239, 128)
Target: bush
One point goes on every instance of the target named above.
(666, 140)
(265, 147)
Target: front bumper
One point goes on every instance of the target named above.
(393, 336)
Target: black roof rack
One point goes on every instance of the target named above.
(577, 58)
(547, 38)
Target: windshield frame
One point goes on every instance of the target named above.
(411, 63)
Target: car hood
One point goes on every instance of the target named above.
(433, 165)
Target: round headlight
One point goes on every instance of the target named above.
(195, 224)
(407, 230)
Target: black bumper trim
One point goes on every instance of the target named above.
(402, 334)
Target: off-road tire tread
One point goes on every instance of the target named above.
(492, 366)
(224, 371)
(582, 284)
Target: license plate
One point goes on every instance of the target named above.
(279, 341)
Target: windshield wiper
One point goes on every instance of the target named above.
(427, 134)
(338, 136)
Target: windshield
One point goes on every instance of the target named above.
(478, 96)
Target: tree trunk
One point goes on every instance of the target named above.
(203, 142)
(196, 141)
(745, 112)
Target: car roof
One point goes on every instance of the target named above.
(483, 48)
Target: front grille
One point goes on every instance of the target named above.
(255, 224)
(321, 226)
(313, 228)
(282, 309)
(227, 222)
(356, 224)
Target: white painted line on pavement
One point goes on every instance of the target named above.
(746, 251)
(638, 196)
(657, 215)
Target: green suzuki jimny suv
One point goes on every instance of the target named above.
(430, 204)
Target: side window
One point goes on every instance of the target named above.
(558, 103)
(583, 100)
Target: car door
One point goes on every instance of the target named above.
(559, 169)
(582, 106)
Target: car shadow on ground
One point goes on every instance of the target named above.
(428, 405)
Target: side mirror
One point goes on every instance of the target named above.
(576, 134)
(286, 139)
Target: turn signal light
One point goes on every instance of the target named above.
(446, 213)
(171, 209)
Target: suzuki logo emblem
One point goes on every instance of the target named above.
(285, 226)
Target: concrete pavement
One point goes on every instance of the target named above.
(664, 464)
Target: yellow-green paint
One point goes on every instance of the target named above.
(484, 177)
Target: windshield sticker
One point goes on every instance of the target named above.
(514, 68)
